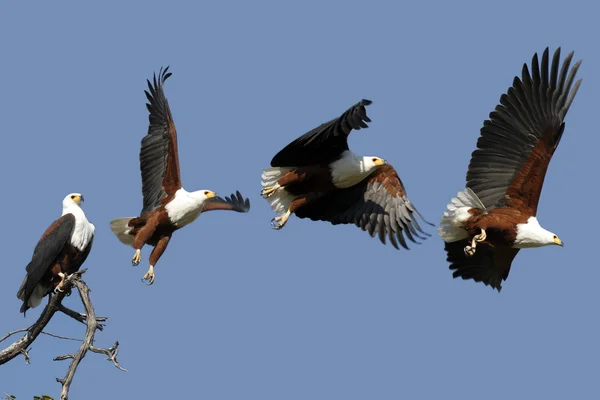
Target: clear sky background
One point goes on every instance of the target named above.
(315, 311)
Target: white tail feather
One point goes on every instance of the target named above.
(121, 229)
(280, 200)
(456, 214)
(36, 297)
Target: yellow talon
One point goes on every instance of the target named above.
(269, 191)
(149, 275)
(60, 285)
(280, 221)
(137, 257)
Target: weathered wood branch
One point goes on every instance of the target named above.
(92, 323)
(21, 345)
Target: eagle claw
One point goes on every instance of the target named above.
(268, 191)
(469, 251)
(280, 221)
(137, 258)
(276, 223)
(149, 276)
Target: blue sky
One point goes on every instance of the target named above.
(315, 311)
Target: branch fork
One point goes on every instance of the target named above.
(21, 346)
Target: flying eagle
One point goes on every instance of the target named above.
(485, 225)
(318, 177)
(60, 252)
(167, 205)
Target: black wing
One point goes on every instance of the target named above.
(325, 143)
(490, 265)
(159, 160)
(234, 203)
(378, 205)
(518, 140)
(50, 245)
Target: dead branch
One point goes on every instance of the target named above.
(21, 345)
(92, 323)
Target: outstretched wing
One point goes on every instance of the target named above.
(49, 246)
(159, 160)
(519, 139)
(325, 143)
(234, 203)
(490, 265)
(378, 205)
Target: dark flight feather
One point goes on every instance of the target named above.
(325, 143)
(519, 139)
(48, 248)
(159, 162)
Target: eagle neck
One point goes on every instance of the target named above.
(185, 207)
(349, 169)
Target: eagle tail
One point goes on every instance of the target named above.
(36, 297)
(280, 200)
(456, 214)
(120, 227)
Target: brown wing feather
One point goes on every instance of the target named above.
(519, 139)
(490, 265)
(526, 187)
(378, 205)
(159, 160)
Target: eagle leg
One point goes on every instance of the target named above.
(60, 285)
(159, 249)
(280, 221)
(470, 250)
(269, 191)
(137, 257)
(149, 275)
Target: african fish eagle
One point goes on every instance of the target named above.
(318, 177)
(60, 252)
(485, 225)
(167, 205)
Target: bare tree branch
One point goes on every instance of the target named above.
(9, 334)
(62, 337)
(21, 346)
(79, 317)
(92, 325)
(111, 353)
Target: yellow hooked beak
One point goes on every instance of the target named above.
(77, 198)
(558, 241)
(210, 194)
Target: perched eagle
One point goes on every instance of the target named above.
(318, 177)
(167, 205)
(60, 252)
(485, 225)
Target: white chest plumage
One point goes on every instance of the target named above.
(84, 230)
(348, 170)
(184, 208)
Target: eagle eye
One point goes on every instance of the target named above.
(72, 197)
(206, 192)
(374, 160)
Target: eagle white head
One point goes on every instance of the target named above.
(370, 163)
(531, 234)
(203, 195)
(73, 199)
